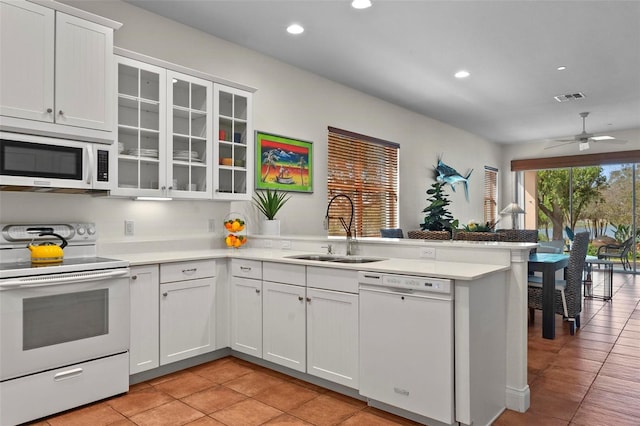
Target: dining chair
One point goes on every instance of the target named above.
(568, 300)
(391, 233)
(618, 251)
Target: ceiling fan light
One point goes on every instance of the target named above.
(361, 4)
(602, 138)
(584, 146)
(295, 29)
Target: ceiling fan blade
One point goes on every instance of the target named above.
(607, 141)
(564, 143)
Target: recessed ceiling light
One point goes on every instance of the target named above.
(361, 4)
(295, 29)
(561, 68)
(462, 74)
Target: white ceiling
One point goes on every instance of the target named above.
(406, 52)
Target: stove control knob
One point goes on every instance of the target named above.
(91, 230)
(81, 230)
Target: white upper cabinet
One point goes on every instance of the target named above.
(56, 73)
(26, 81)
(164, 132)
(141, 142)
(189, 128)
(234, 146)
(84, 73)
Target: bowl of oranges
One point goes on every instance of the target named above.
(235, 226)
(235, 241)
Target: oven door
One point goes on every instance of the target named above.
(50, 321)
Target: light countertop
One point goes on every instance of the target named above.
(421, 267)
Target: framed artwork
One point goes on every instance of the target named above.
(283, 163)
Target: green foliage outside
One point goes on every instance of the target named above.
(554, 197)
(599, 202)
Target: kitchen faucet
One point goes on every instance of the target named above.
(347, 229)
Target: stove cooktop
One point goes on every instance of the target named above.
(74, 264)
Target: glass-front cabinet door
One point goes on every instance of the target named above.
(233, 149)
(141, 129)
(165, 129)
(189, 132)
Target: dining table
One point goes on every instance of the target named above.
(548, 264)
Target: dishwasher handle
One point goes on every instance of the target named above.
(403, 292)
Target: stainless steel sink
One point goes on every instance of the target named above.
(320, 257)
(337, 259)
(357, 260)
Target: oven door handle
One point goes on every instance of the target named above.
(69, 278)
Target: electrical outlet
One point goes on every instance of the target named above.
(267, 243)
(285, 244)
(212, 225)
(128, 228)
(428, 252)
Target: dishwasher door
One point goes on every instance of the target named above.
(406, 350)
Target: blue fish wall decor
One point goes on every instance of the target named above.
(450, 176)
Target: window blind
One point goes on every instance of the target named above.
(490, 193)
(366, 170)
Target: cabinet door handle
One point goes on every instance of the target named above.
(134, 277)
(308, 299)
(189, 271)
(245, 268)
(257, 290)
(300, 298)
(61, 112)
(49, 110)
(165, 294)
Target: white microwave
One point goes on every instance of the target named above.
(45, 162)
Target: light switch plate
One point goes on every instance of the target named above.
(128, 228)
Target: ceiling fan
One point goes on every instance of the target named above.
(585, 138)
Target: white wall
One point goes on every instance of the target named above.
(288, 101)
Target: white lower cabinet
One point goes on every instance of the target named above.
(144, 287)
(284, 324)
(332, 336)
(246, 317)
(187, 314)
(332, 325)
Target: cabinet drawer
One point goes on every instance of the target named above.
(52, 391)
(180, 271)
(332, 279)
(246, 268)
(283, 273)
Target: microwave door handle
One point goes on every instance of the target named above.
(71, 278)
(91, 161)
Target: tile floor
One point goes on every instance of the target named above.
(592, 378)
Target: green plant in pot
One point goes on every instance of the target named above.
(269, 202)
(438, 217)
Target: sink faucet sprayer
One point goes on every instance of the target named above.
(347, 229)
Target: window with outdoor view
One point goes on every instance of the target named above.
(596, 193)
(490, 193)
(365, 169)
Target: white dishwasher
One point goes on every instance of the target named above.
(406, 343)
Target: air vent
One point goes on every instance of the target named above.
(569, 97)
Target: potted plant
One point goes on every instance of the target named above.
(438, 218)
(269, 202)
